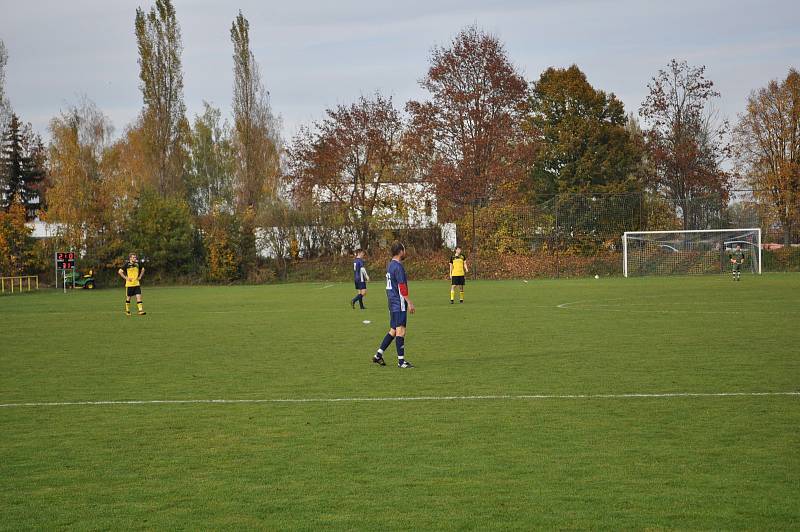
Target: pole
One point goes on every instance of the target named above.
(64, 280)
(472, 244)
(55, 265)
(625, 254)
(759, 251)
(558, 236)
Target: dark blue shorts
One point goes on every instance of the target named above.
(397, 319)
(361, 285)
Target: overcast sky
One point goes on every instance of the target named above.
(315, 54)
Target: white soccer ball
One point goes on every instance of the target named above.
(596, 276)
(367, 322)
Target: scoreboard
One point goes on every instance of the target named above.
(65, 260)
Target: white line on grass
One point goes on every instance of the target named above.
(565, 305)
(398, 399)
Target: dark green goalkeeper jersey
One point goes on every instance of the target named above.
(738, 255)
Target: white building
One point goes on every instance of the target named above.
(408, 205)
(411, 205)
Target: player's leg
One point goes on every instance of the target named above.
(400, 344)
(361, 294)
(139, 304)
(387, 340)
(452, 293)
(461, 294)
(399, 320)
(128, 294)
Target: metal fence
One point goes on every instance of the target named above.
(579, 233)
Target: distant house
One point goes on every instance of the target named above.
(399, 205)
(43, 229)
(411, 204)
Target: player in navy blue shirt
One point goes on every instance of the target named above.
(360, 277)
(399, 307)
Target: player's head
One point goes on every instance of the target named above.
(458, 250)
(132, 257)
(359, 253)
(398, 250)
(738, 246)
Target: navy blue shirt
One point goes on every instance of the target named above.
(358, 275)
(396, 276)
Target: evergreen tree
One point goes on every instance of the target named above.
(584, 143)
(21, 173)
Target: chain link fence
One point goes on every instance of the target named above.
(578, 234)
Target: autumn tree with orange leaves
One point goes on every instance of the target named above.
(768, 148)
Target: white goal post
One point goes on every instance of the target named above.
(688, 252)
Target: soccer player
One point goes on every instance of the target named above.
(737, 259)
(399, 307)
(458, 268)
(361, 277)
(132, 272)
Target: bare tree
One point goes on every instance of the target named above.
(686, 141)
(5, 108)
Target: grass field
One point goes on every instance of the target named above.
(454, 460)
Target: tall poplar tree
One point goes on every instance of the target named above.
(255, 139)
(255, 128)
(163, 120)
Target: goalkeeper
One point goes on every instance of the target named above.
(737, 259)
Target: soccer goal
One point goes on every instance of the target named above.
(688, 252)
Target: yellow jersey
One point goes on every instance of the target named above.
(458, 262)
(132, 270)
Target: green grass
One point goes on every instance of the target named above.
(730, 462)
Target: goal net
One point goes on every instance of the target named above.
(688, 252)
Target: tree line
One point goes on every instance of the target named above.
(191, 195)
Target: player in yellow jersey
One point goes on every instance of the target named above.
(458, 269)
(132, 272)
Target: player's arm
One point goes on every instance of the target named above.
(451, 269)
(404, 294)
(364, 273)
(466, 267)
(141, 273)
(121, 273)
